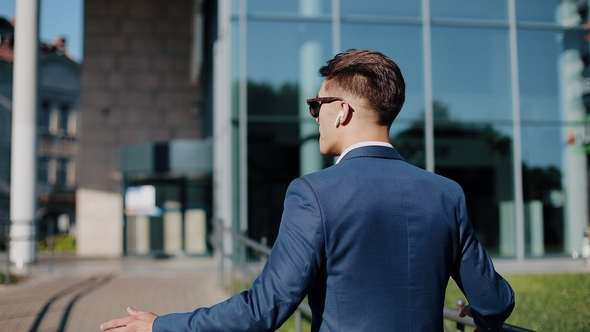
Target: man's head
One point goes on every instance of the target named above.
(362, 93)
(369, 76)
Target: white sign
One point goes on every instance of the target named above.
(141, 201)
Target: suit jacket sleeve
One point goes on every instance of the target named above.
(294, 262)
(490, 296)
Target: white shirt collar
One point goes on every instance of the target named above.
(362, 144)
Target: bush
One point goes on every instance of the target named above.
(61, 243)
(3, 278)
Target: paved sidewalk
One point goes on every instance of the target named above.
(76, 295)
(81, 294)
(545, 265)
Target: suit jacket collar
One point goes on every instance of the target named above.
(373, 152)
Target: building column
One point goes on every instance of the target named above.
(23, 200)
(575, 168)
(223, 161)
(573, 113)
(310, 159)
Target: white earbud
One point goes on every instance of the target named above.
(338, 117)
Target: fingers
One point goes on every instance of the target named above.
(466, 311)
(119, 322)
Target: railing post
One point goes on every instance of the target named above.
(33, 237)
(586, 247)
(220, 257)
(7, 249)
(298, 325)
(243, 259)
(50, 243)
(460, 306)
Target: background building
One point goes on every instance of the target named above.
(57, 132)
(146, 101)
(194, 110)
(496, 100)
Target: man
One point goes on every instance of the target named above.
(372, 240)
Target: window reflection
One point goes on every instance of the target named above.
(479, 158)
(542, 180)
(403, 44)
(536, 10)
(275, 51)
(471, 72)
(468, 9)
(396, 8)
(289, 7)
(538, 52)
(472, 94)
(407, 137)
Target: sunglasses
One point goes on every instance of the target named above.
(316, 103)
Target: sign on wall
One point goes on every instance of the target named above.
(141, 201)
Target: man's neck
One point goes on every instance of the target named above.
(373, 134)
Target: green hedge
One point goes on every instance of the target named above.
(61, 243)
(3, 278)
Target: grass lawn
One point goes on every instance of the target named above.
(547, 302)
(544, 302)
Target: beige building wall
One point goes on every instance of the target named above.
(135, 89)
(100, 234)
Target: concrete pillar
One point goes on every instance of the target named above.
(575, 172)
(310, 159)
(223, 179)
(23, 163)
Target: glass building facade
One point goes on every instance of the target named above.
(497, 99)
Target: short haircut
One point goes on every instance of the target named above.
(371, 76)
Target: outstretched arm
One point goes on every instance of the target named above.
(293, 265)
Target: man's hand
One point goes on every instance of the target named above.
(137, 321)
(466, 311)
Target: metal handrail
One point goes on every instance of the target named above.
(219, 228)
(303, 310)
(7, 238)
(453, 314)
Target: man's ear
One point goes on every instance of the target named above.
(344, 115)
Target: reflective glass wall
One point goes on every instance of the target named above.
(504, 82)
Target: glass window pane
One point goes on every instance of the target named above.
(538, 54)
(400, 8)
(536, 10)
(407, 137)
(404, 46)
(479, 158)
(43, 170)
(44, 116)
(273, 162)
(280, 57)
(543, 153)
(469, 9)
(471, 74)
(304, 7)
(64, 118)
(62, 172)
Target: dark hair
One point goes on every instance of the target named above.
(371, 76)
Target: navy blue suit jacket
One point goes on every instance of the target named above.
(372, 242)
